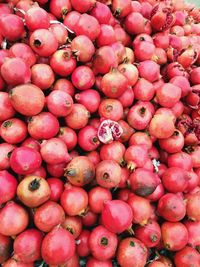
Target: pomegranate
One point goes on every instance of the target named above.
(117, 216)
(169, 231)
(143, 182)
(53, 244)
(62, 62)
(43, 42)
(8, 186)
(80, 171)
(186, 257)
(42, 76)
(33, 191)
(141, 209)
(78, 118)
(27, 246)
(11, 33)
(36, 127)
(114, 84)
(25, 160)
(48, 215)
(56, 187)
(131, 250)
(6, 109)
(192, 201)
(27, 99)
(97, 196)
(108, 173)
(73, 224)
(171, 207)
(93, 104)
(69, 136)
(54, 151)
(83, 249)
(102, 243)
(88, 139)
(149, 234)
(14, 219)
(74, 200)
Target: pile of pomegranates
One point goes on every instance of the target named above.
(99, 133)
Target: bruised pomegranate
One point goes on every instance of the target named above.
(80, 171)
(143, 182)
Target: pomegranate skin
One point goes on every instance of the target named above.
(11, 215)
(58, 246)
(27, 246)
(8, 186)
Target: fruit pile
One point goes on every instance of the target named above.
(99, 133)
